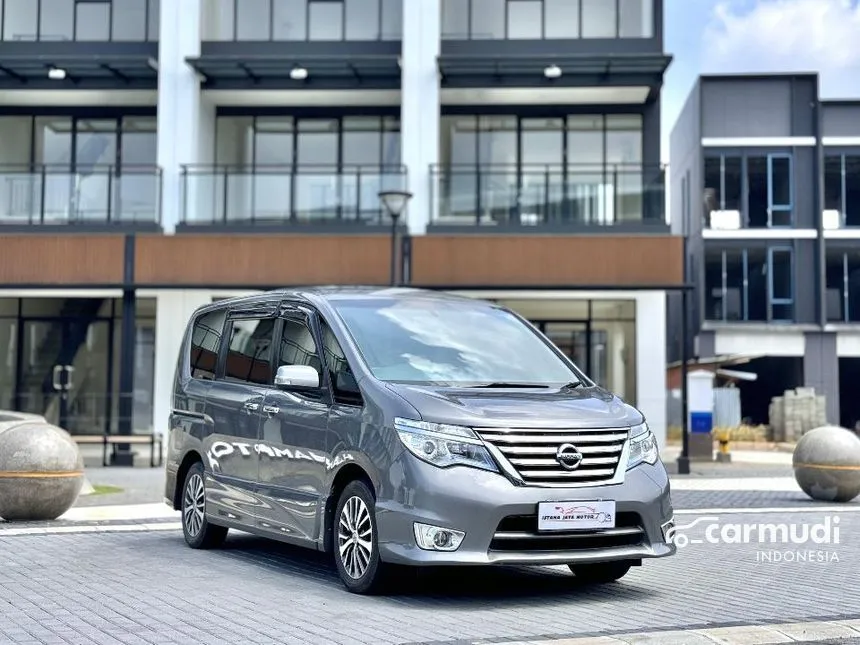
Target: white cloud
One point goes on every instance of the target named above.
(786, 36)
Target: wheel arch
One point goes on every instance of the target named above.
(345, 475)
(191, 457)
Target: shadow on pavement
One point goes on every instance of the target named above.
(429, 586)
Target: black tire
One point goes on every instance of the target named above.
(600, 572)
(361, 572)
(198, 532)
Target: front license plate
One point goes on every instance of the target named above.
(575, 516)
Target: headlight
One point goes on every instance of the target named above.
(444, 445)
(643, 446)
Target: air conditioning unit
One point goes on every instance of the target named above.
(832, 219)
(725, 220)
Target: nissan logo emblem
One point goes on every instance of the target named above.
(568, 456)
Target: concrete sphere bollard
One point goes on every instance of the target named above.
(827, 464)
(41, 469)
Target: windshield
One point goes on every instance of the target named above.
(449, 343)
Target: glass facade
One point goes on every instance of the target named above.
(577, 168)
(842, 190)
(755, 190)
(79, 20)
(61, 359)
(57, 169)
(755, 285)
(284, 167)
(843, 286)
(303, 20)
(599, 336)
(546, 19)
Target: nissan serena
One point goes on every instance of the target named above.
(406, 427)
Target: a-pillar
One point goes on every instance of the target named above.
(419, 118)
(173, 311)
(186, 121)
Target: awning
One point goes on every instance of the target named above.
(265, 71)
(538, 70)
(63, 71)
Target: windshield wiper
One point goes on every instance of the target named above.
(501, 385)
(571, 385)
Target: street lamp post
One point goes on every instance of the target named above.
(394, 202)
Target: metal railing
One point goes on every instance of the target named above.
(600, 195)
(34, 195)
(226, 194)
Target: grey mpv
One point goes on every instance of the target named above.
(405, 427)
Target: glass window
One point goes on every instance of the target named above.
(362, 19)
(759, 200)
(525, 19)
(455, 20)
(488, 19)
(835, 276)
(273, 141)
(714, 182)
(782, 284)
(318, 142)
(390, 142)
(56, 19)
(757, 295)
(205, 344)
(139, 141)
(732, 183)
(833, 183)
(129, 20)
(735, 305)
(392, 19)
(497, 141)
(561, 18)
(780, 178)
(297, 346)
(289, 20)
(53, 140)
(153, 18)
(439, 341)
(16, 134)
(20, 20)
(585, 149)
(218, 21)
(95, 144)
(624, 139)
(92, 21)
(325, 20)
(362, 141)
(635, 19)
(253, 20)
(336, 363)
(852, 190)
(852, 262)
(599, 19)
(250, 353)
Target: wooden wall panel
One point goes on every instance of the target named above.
(68, 258)
(585, 260)
(265, 260)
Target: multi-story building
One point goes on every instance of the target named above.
(765, 182)
(157, 155)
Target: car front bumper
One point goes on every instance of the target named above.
(500, 519)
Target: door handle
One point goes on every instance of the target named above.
(56, 382)
(271, 409)
(251, 406)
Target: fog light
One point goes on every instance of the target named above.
(437, 538)
(668, 530)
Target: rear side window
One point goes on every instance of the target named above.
(205, 343)
(249, 358)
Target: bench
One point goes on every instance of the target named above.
(154, 441)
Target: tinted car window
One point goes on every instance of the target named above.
(336, 361)
(250, 353)
(205, 344)
(446, 342)
(297, 345)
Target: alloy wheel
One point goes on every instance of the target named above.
(355, 537)
(195, 505)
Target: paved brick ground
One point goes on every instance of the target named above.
(149, 588)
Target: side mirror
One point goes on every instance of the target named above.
(345, 382)
(299, 377)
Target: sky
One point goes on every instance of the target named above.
(725, 36)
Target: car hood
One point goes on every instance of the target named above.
(537, 408)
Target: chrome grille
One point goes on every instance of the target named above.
(532, 452)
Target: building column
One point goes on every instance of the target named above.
(821, 370)
(185, 118)
(172, 313)
(420, 105)
(651, 360)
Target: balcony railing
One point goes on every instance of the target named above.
(53, 195)
(597, 195)
(230, 195)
